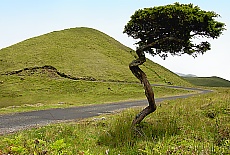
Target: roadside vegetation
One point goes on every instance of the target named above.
(196, 125)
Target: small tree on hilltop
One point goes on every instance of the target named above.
(167, 30)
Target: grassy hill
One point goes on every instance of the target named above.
(81, 52)
(73, 67)
(208, 81)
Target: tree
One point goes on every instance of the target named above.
(170, 29)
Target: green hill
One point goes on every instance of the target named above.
(208, 81)
(58, 69)
(83, 53)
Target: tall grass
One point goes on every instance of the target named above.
(197, 125)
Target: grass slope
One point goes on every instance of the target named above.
(81, 52)
(208, 81)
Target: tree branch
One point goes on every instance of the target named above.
(152, 44)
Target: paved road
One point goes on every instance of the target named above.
(15, 122)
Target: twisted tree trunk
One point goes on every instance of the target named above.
(134, 67)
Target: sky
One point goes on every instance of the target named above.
(24, 19)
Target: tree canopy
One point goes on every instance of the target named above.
(169, 29)
(172, 29)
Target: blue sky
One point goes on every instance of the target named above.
(23, 19)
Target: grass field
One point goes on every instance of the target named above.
(24, 93)
(208, 81)
(197, 125)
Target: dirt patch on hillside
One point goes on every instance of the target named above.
(47, 70)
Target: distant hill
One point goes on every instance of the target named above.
(186, 75)
(208, 81)
(81, 53)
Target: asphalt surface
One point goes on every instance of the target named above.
(19, 121)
